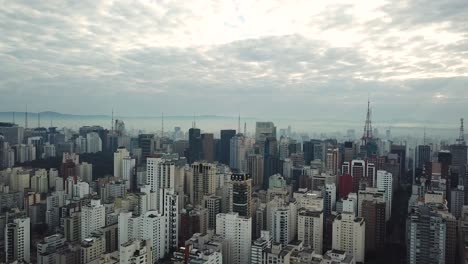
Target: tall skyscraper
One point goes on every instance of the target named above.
(424, 155)
(310, 228)
(242, 194)
(160, 174)
(349, 235)
(385, 184)
(18, 240)
(93, 142)
(204, 180)
(208, 149)
(238, 230)
(93, 217)
(225, 145)
(213, 204)
(400, 150)
(238, 155)
(426, 231)
(195, 145)
(358, 172)
(129, 173)
(308, 150)
(255, 168)
(119, 155)
(146, 143)
(264, 130)
(373, 211)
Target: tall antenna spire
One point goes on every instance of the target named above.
(424, 138)
(26, 118)
(461, 137)
(194, 124)
(112, 121)
(367, 136)
(245, 128)
(38, 120)
(13, 117)
(238, 125)
(162, 124)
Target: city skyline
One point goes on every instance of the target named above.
(280, 58)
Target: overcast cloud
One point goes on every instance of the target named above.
(304, 59)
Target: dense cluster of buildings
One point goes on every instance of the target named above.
(194, 198)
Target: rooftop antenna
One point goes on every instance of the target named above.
(13, 117)
(112, 121)
(424, 138)
(238, 125)
(38, 120)
(26, 118)
(245, 128)
(461, 137)
(194, 124)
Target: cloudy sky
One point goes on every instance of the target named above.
(287, 58)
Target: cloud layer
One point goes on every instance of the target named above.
(301, 58)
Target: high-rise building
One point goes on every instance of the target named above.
(13, 133)
(225, 145)
(349, 151)
(93, 217)
(195, 145)
(149, 226)
(310, 229)
(137, 251)
(308, 150)
(400, 150)
(424, 155)
(373, 211)
(170, 211)
(208, 149)
(349, 235)
(426, 231)
(204, 180)
(213, 204)
(459, 155)
(119, 155)
(333, 161)
(160, 175)
(264, 130)
(358, 172)
(259, 246)
(146, 143)
(238, 230)
(93, 143)
(457, 200)
(385, 184)
(18, 240)
(255, 168)
(238, 155)
(242, 194)
(129, 173)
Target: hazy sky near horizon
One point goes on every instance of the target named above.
(298, 58)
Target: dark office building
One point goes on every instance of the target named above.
(400, 150)
(195, 145)
(225, 145)
(459, 155)
(308, 150)
(445, 160)
(374, 213)
(424, 155)
(208, 147)
(242, 194)
(146, 143)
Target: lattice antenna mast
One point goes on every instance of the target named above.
(367, 136)
(38, 120)
(424, 138)
(461, 137)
